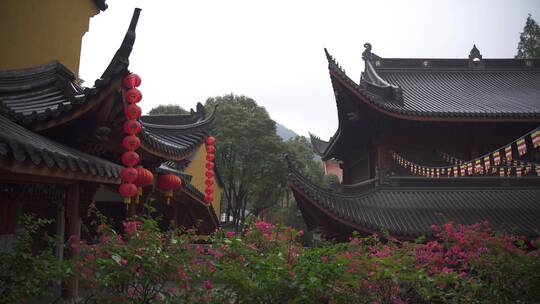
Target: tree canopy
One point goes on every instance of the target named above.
(251, 158)
(167, 109)
(529, 40)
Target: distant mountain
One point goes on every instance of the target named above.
(284, 132)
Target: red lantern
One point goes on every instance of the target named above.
(209, 190)
(144, 178)
(131, 81)
(132, 95)
(131, 143)
(210, 165)
(130, 158)
(168, 183)
(210, 140)
(208, 199)
(132, 111)
(132, 127)
(127, 191)
(128, 174)
(209, 182)
(210, 149)
(209, 174)
(210, 157)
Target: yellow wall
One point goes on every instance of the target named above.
(196, 169)
(34, 32)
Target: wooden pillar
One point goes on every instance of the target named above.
(74, 233)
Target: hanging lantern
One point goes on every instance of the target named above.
(131, 143)
(132, 95)
(168, 183)
(130, 158)
(210, 157)
(210, 149)
(209, 174)
(132, 127)
(208, 199)
(210, 165)
(209, 190)
(127, 191)
(209, 182)
(132, 111)
(210, 140)
(132, 80)
(144, 178)
(128, 174)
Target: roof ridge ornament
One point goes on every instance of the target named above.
(475, 58)
(373, 82)
(120, 61)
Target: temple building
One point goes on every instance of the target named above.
(61, 143)
(428, 141)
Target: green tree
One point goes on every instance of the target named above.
(168, 109)
(249, 155)
(529, 40)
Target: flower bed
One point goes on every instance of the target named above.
(267, 264)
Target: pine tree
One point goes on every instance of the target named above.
(529, 40)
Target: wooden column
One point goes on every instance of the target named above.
(74, 233)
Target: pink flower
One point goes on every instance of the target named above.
(207, 284)
(105, 239)
(446, 270)
(324, 258)
(230, 234)
(123, 262)
(301, 232)
(131, 227)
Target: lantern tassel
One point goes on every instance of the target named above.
(168, 195)
(139, 194)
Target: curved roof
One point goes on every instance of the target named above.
(48, 95)
(28, 148)
(166, 136)
(447, 89)
(319, 146)
(408, 206)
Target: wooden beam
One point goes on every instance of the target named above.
(74, 234)
(54, 173)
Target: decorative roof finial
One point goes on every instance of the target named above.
(367, 55)
(475, 58)
(475, 53)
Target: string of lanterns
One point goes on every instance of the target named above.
(525, 166)
(209, 182)
(129, 174)
(485, 164)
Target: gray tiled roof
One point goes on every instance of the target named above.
(50, 91)
(319, 146)
(39, 93)
(467, 92)
(27, 147)
(448, 87)
(407, 207)
(177, 141)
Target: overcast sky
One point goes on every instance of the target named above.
(272, 51)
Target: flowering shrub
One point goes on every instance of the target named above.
(25, 274)
(267, 264)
